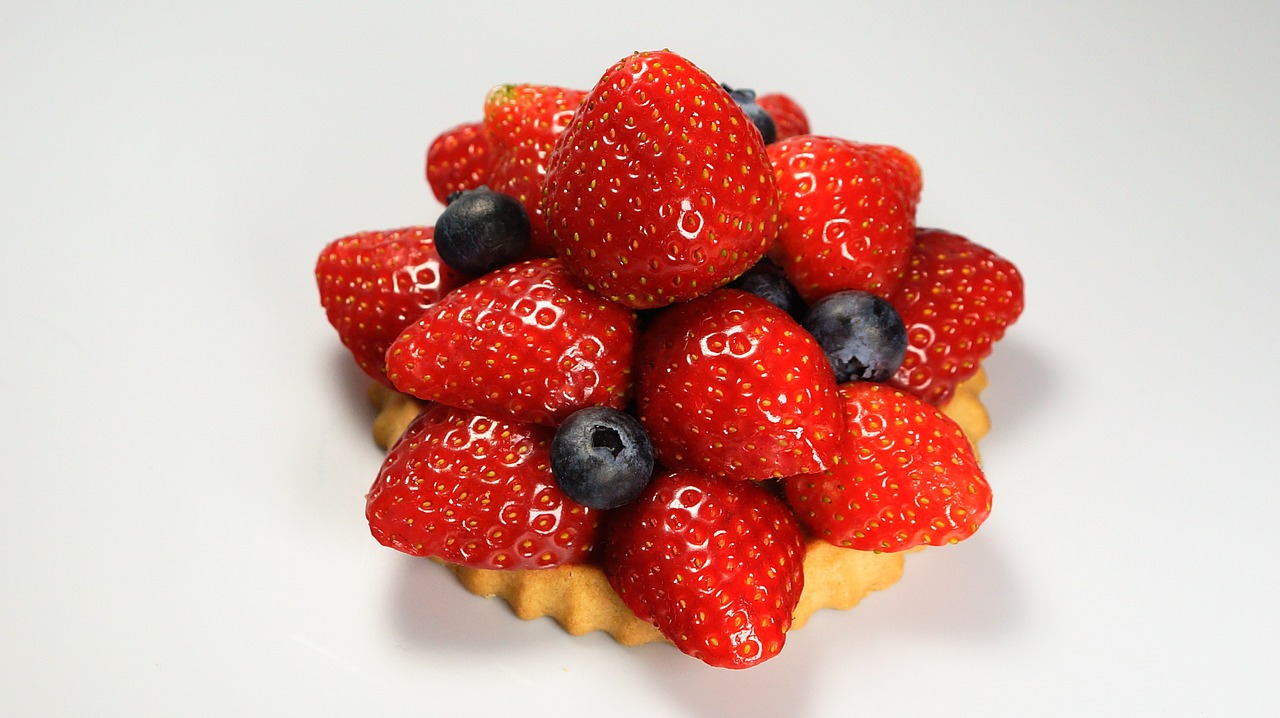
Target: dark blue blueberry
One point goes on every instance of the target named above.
(763, 121)
(861, 334)
(767, 280)
(601, 457)
(481, 230)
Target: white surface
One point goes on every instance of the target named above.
(184, 446)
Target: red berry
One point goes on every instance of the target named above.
(957, 299)
(907, 477)
(907, 168)
(457, 160)
(523, 122)
(716, 565)
(660, 190)
(789, 117)
(477, 492)
(730, 385)
(374, 284)
(525, 342)
(849, 211)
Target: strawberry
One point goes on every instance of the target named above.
(477, 491)
(730, 385)
(374, 284)
(907, 477)
(716, 565)
(956, 299)
(788, 116)
(849, 210)
(458, 159)
(906, 168)
(659, 190)
(525, 342)
(523, 122)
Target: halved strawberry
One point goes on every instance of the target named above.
(907, 477)
(957, 299)
(659, 191)
(457, 160)
(477, 491)
(523, 122)
(715, 564)
(849, 211)
(730, 385)
(526, 342)
(374, 284)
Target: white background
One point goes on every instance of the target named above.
(184, 446)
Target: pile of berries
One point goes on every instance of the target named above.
(661, 327)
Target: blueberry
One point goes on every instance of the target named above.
(601, 457)
(763, 121)
(767, 280)
(861, 334)
(481, 230)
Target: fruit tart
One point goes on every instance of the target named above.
(668, 364)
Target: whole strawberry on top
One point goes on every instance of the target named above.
(659, 190)
(849, 210)
(715, 564)
(526, 342)
(730, 385)
(956, 300)
(374, 284)
(477, 491)
(907, 477)
(789, 118)
(457, 160)
(522, 123)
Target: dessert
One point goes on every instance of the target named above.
(753, 373)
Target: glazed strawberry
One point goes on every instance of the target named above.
(477, 492)
(730, 385)
(849, 210)
(458, 159)
(956, 299)
(789, 118)
(907, 477)
(716, 565)
(906, 168)
(525, 342)
(374, 284)
(659, 191)
(523, 122)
